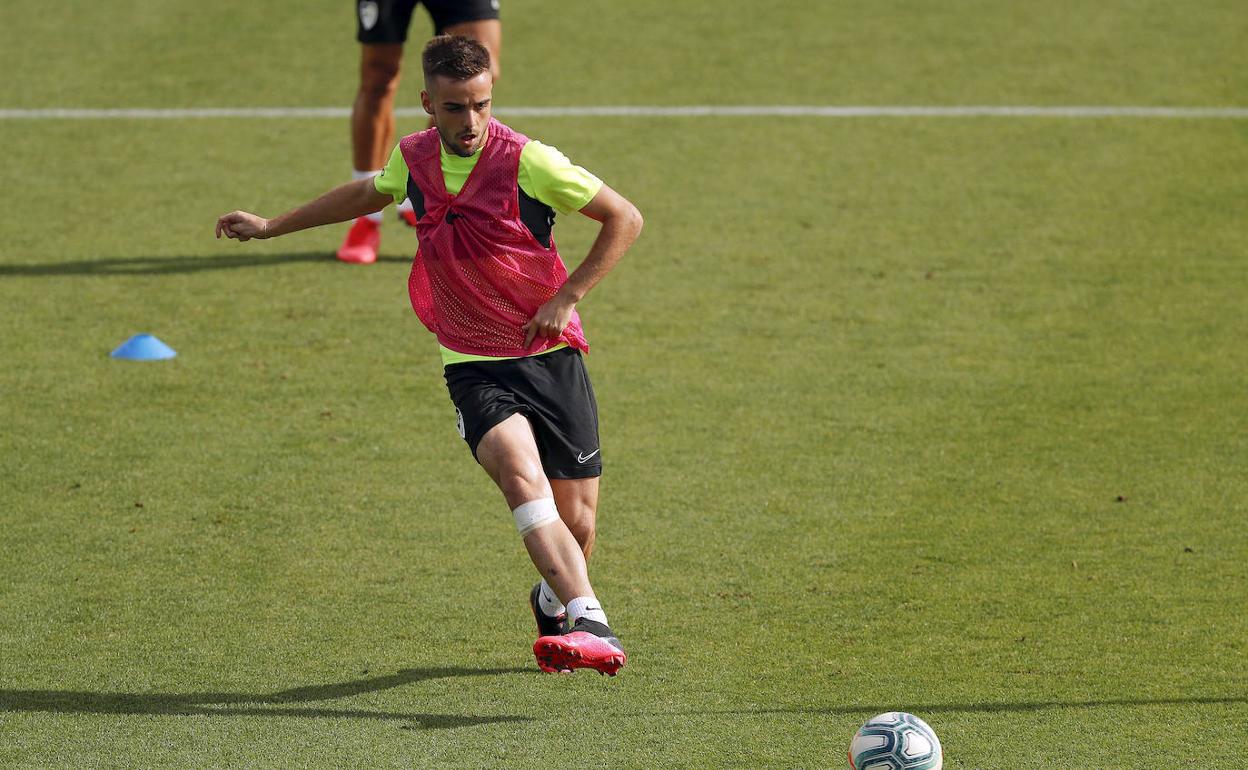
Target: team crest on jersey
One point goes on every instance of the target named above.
(368, 14)
(459, 424)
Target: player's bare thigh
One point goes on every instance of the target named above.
(508, 453)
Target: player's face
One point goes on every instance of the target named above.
(460, 110)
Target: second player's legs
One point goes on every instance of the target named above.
(372, 131)
(508, 453)
(372, 115)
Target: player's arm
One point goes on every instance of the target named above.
(621, 224)
(348, 201)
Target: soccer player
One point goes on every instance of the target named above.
(382, 31)
(488, 281)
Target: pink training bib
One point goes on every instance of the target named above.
(479, 274)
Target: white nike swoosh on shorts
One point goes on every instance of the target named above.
(584, 458)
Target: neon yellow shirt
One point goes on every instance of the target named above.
(545, 174)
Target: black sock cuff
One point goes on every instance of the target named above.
(593, 627)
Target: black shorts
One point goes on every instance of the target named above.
(386, 21)
(552, 390)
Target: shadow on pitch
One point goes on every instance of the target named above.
(114, 266)
(263, 705)
(938, 708)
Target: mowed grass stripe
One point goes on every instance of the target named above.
(643, 111)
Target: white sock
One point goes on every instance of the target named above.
(586, 607)
(549, 604)
(357, 175)
(406, 205)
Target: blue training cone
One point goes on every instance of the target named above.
(143, 347)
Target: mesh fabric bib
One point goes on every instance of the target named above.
(479, 274)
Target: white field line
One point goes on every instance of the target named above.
(1233, 113)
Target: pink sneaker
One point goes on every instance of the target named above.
(595, 648)
(360, 247)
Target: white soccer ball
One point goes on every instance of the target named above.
(895, 741)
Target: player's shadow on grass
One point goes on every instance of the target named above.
(115, 266)
(263, 705)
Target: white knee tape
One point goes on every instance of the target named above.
(534, 514)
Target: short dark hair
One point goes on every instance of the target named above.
(455, 57)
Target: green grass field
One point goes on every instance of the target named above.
(943, 415)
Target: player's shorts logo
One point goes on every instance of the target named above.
(494, 4)
(368, 14)
(459, 424)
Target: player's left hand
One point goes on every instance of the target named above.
(549, 321)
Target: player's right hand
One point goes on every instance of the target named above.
(242, 225)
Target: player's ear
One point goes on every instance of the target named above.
(426, 102)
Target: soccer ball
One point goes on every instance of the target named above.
(895, 741)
